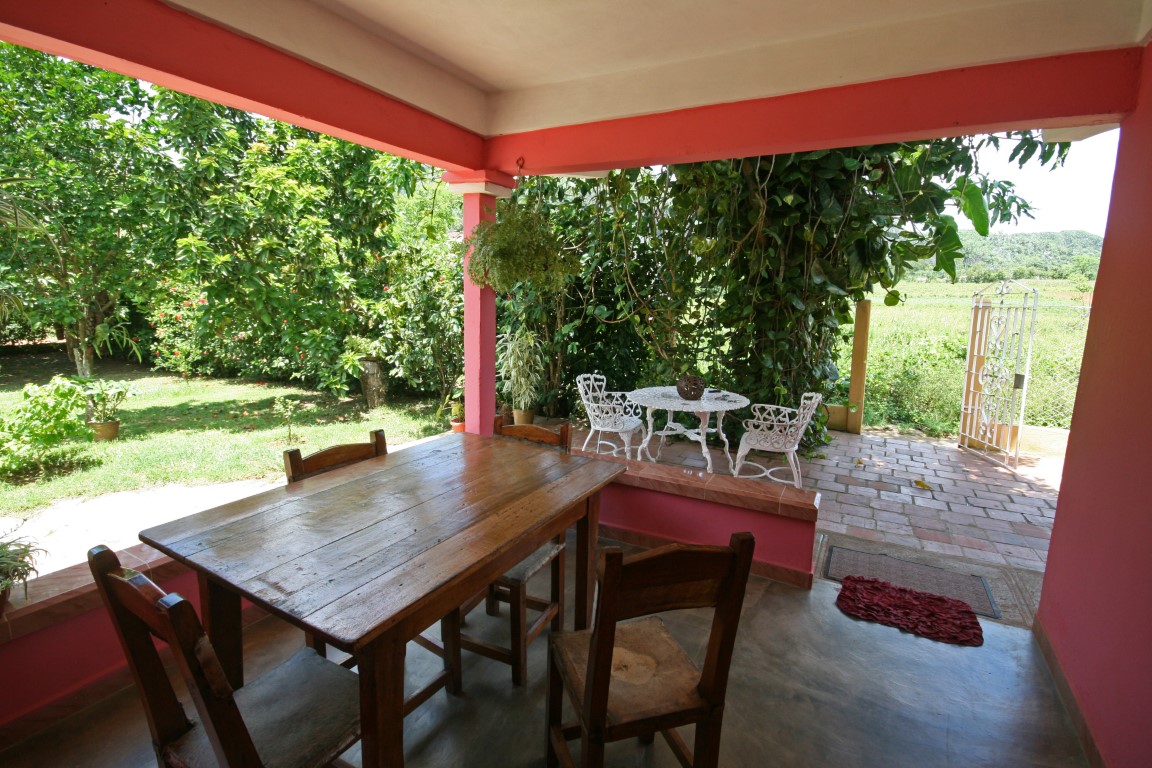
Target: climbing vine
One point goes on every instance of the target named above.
(747, 270)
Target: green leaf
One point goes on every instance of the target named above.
(970, 200)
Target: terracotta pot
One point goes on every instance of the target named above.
(105, 430)
(457, 426)
(523, 417)
(4, 600)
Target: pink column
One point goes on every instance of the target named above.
(480, 190)
(1095, 609)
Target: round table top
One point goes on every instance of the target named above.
(668, 399)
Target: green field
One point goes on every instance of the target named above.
(917, 353)
(195, 431)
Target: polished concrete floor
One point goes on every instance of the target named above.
(810, 687)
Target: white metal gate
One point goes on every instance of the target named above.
(997, 371)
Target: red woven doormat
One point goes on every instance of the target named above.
(932, 616)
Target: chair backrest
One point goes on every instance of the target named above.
(297, 468)
(140, 610)
(561, 438)
(591, 387)
(786, 425)
(671, 578)
(606, 410)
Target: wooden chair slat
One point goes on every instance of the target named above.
(297, 467)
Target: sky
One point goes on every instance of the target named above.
(1074, 196)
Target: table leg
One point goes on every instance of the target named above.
(587, 530)
(703, 416)
(381, 668)
(647, 439)
(450, 637)
(724, 439)
(220, 614)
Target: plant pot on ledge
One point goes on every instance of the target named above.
(103, 431)
(523, 417)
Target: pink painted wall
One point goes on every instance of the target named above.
(1096, 607)
(782, 541)
(38, 669)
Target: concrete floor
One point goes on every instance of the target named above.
(810, 688)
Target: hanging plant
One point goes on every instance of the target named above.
(519, 246)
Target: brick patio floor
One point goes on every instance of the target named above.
(920, 492)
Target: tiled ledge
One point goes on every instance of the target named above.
(747, 493)
(69, 592)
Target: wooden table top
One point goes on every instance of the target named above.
(391, 543)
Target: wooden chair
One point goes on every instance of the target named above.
(297, 468)
(631, 678)
(304, 713)
(512, 587)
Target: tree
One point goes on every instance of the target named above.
(288, 250)
(78, 138)
(746, 270)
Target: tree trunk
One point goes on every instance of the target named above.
(372, 381)
(80, 350)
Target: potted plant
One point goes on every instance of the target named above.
(104, 400)
(519, 246)
(457, 419)
(17, 558)
(522, 373)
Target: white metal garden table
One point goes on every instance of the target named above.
(668, 399)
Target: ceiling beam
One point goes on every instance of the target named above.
(151, 41)
(1050, 92)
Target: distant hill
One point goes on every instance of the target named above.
(1019, 255)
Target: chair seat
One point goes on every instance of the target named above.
(652, 676)
(325, 696)
(774, 442)
(529, 566)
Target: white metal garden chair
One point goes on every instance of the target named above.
(608, 412)
(776, 429)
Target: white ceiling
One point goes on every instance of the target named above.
(505, 66)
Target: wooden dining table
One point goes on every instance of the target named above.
(367, 556)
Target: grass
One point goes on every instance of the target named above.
(917, 354)
(195, 431)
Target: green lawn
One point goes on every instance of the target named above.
(196, 431)
(917, 352)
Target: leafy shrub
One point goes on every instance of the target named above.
(45, 417)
